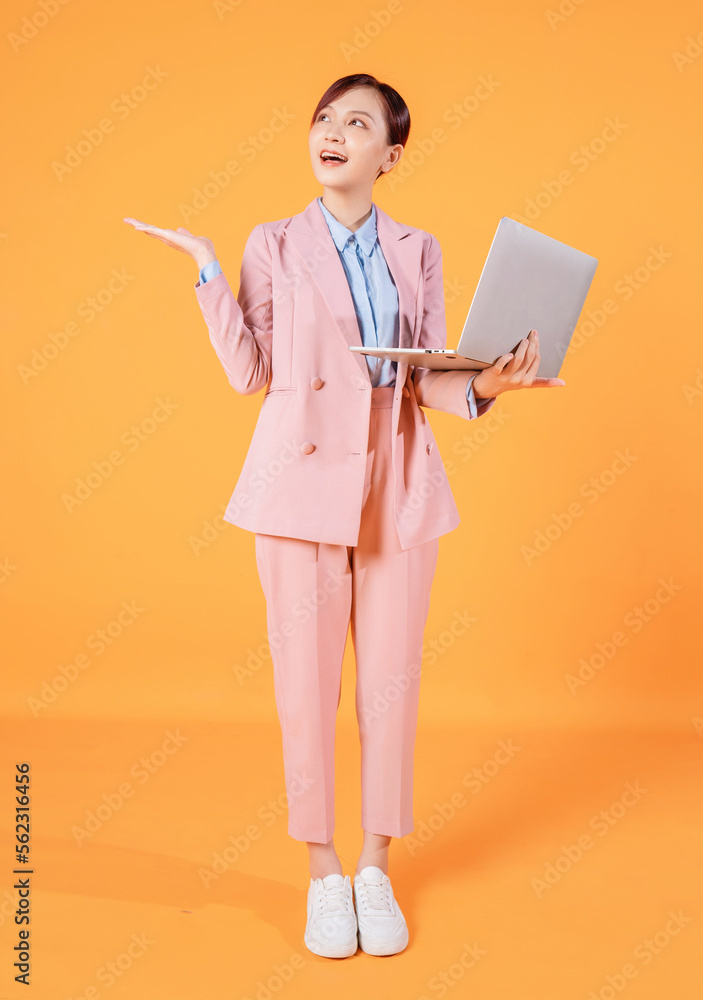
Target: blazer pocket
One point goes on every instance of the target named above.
(280, 389)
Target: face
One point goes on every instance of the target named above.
(354, 126)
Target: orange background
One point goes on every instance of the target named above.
(476, 871)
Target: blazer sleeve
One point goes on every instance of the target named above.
(441, 390)
(241, 328)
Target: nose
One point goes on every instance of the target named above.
(331, 133)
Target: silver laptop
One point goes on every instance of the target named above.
(529, 282)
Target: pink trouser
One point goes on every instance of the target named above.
(313, 590)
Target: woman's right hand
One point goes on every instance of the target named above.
(200, 248)
(516, 370)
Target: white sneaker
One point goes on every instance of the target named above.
(382, 927)
(331, 930)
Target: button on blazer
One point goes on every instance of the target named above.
(288, 331)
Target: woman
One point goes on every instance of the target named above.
(343, 485)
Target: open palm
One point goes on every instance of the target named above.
(200, 248)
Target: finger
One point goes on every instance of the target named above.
(531, 371)
(165, 240)
(522, 358)
(532, 347)
(520, 351)
(545, 383)
(156, 236)
(534, 344)
(528, 360)
(501, 362)
(166, 235)
(144, 227)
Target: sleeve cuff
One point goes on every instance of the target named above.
(471, 398)
(210, 271)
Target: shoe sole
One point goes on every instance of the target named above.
(345, 951)
(387, 949)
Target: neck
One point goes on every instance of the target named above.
(351, 208)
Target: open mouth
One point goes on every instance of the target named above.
(329, 157)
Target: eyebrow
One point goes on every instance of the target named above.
(351, 112)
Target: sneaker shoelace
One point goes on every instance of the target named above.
(333, 898)
(376, 895)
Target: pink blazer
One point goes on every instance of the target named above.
(288, 331)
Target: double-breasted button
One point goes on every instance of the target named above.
(429, 447)
(406, 391)
(316, 382)
(307, 447)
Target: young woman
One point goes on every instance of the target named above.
(343, 484)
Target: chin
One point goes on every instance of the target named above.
(329, 183)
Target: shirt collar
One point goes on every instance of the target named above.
(366, 234)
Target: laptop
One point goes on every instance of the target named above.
(529, 282)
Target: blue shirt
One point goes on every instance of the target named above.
(372, 288)
(373, 292)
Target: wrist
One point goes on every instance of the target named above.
(477, 389)
(203, 261)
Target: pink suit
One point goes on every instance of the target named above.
(346, 492)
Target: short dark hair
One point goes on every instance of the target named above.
(397, 114)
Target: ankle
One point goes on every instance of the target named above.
(321, 871)
(378, 858)
(324, 861)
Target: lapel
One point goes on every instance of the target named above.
(402, 248)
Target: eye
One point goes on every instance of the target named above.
(324, 115)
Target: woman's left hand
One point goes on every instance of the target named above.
(514, 371)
